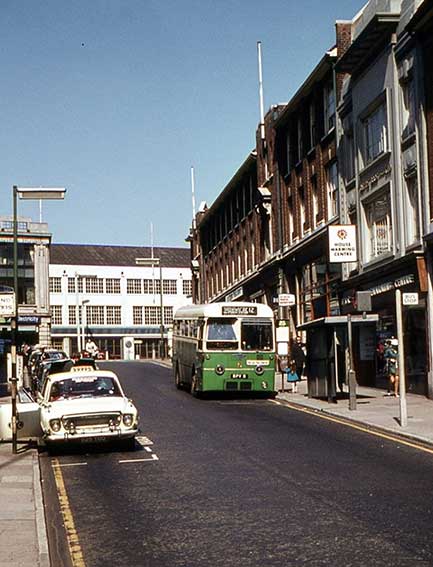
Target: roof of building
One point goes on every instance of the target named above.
(104, 255)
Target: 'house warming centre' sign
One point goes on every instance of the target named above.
(342, 243)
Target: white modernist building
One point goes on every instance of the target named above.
(121, 297)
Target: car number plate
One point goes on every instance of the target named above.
(239, 375)
(94, 439)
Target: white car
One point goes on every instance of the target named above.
(86, 405)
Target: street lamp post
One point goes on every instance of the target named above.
(156, 262)
(26, 193)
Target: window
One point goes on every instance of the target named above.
(168, 315)
(133, 286)
(169, 287)
(137, 315)
(94, 285)
(114, 315)
(315, 200)
(329, 107)
(301, 196)
(378, 217)
(71, 285)
(152, 315)
(348, 169)
(187, 287)
(312, 125)
(332, 185)
(55, 285)
(411, 212)
(375, 134)
(152, 286)
(94, 315)
(112, 285)
(407, 97)
(72, 314)
(56, 314)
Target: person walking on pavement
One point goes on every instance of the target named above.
(297, 356)
(391, 357)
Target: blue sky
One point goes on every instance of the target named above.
(116, 100)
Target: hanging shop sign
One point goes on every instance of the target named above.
(342, 243)
(286, 299)
(236, 294)
(7, 304)
(410, 298)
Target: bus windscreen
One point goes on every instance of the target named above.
(221, 334)
(256, 335)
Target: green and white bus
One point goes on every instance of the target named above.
(224, 347)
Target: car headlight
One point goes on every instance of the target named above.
(55, 425)
(128, 419)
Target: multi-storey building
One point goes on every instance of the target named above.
(33, 296)
(353, 146)
(123, 297)
(381, 180)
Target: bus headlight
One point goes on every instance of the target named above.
(219, 369)
(259, 370)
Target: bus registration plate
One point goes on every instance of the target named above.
(239, 375)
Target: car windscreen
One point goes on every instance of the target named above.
(221, 334)
(84, 387)
(256, 335)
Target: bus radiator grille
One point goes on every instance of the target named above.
(231, 385)
(245, 386)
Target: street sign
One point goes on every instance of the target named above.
(7, 304)
(286, 299)
(410, 298)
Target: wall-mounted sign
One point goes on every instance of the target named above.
(342, 243)
(286, 299)
(7, 304)
(410, 298)
(235, 294)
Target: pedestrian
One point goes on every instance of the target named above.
(391, 356)
(292, 376)
(92, 348)
(298, 357)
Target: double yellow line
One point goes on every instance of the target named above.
(364, 429)
(68, 520)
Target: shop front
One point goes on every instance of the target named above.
(414, 306)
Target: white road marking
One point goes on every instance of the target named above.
(143, 440)
(154, 458)
(148, 449)
(68, 464)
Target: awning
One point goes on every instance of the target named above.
(357, 319)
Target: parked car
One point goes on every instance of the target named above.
(87, 405)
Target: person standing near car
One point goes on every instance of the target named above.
(92, 348)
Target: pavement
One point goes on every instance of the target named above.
(23, 536)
